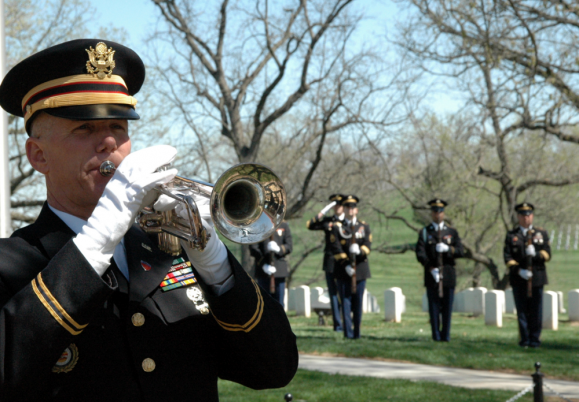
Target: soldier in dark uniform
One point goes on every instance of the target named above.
(527, 248)
(270, 260)
(90, 308)
(351, 243)
(437, 247)
(325, 223)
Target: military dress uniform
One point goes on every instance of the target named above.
(439, 308)
(529, 309)
(160, 333)
(283, 237)
(342, 236)
(326, 223)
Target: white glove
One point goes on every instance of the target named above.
(354, 248)
(442, 248)
(349, 270)
(273, 246)
(269, 269)
(525, 274)
(436, 273)
(123, 197)
(166, 203)
(211, 263)
(530, 250)
(327, 207)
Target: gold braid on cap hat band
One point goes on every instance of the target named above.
(76, 90)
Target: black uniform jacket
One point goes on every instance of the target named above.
(427, 255)
(325, 224)
(515, 256)
(341, 238)
(283, 237)
(66, 334)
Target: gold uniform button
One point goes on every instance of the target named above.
(138, 319)
(148, 365)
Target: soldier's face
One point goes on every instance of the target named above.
(69, 154)
(338, 209)
(350, 211)
(525, 220)
(437, 217)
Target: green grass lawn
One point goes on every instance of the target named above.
(473, 345)
(320, 387)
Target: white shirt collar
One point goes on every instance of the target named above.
(73, 222)
(436, 225)
(341, 217)
(353, 222)
(524, 230)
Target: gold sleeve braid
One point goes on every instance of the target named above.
(54, 308)
(511, 263)
(252, 322)
(545, 255)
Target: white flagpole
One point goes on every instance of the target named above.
(5, 222)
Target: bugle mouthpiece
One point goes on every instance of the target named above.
(107, 168)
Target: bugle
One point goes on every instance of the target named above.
(246, 204)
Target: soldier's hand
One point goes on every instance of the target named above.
(327, 208)
(269, 269)
(436, 274)
(442, 248)
(525, 274)
(354, 249)
(273, 247)
(128, 190)
(530, 250)
(349, 270)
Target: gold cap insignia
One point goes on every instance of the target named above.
(101, 58)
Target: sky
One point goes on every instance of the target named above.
(138, 18)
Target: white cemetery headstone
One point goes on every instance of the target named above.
(494, 308)
(468, 300)
(303, 306)
(550, 311)
(403, 304)
(291, 299)
(458, 304)
(503, 301)
(425, 303)
(478, 301)
(365, 301)
(560, 303)
(510, 302)
(573, 307)
(316, 297)
(393, 304)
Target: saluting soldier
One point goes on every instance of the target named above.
(437, 248)
(270, 260)
(325, 223)
(527, 248)
(351, 244)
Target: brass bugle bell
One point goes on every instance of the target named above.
(247, 203)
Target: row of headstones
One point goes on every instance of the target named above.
(303, 300)
(494, 303)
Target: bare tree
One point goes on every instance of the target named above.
(282, 85)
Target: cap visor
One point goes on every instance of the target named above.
(95, 112)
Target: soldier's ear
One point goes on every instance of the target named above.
(35, 155)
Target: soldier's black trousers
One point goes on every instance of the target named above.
(440, 311)
(529, 314)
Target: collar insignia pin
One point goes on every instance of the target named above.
(146, 247)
